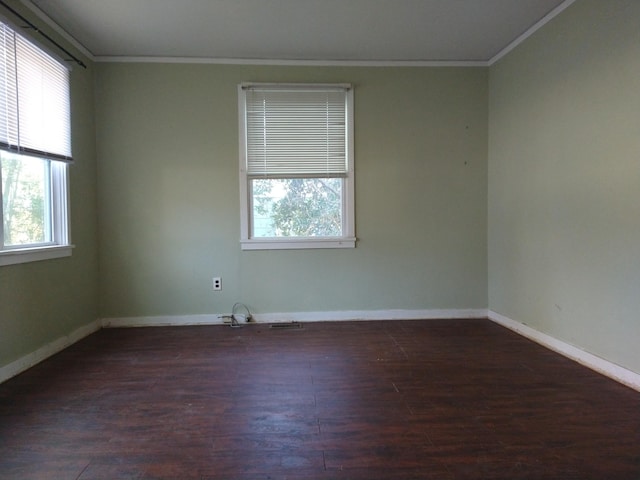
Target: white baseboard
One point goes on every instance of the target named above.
(162, 321)
(356, 315)
(33, 358)
(598, 364)
(216, 319)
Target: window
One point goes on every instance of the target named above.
(296, 166)
(35, 149)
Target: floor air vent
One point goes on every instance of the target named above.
(286, 326)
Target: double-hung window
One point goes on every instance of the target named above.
(35, 150)
(296, 166)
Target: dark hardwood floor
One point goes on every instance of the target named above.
(454, 399)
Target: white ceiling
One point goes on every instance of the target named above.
(299, 30)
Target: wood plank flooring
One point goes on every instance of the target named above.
(450, 399)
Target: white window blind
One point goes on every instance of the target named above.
(296, 132)
(34, 100)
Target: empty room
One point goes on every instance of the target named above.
(444, 287)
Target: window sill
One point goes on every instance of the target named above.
(25, 255)
(297, 244)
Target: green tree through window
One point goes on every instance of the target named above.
(305, 207)
(24, 187)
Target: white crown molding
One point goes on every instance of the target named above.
(533, 29)
(294, 63)
(31, 359)
(58, 29)
(615, 372)
(311, 63)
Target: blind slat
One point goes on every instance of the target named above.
(296, 132)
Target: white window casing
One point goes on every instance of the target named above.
(296, 131)
(35, 122)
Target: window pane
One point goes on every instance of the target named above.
(25, 200)
(297, 207)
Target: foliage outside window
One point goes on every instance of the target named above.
(35, 149)
(296, 166)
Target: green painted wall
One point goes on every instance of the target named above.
(41, 302)
(558, 116)
(564, 176)
(169, 207)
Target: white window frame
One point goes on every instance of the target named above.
(348, 238)
(59, 244)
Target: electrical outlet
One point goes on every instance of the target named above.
(217, 283)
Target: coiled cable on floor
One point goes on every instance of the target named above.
(247, 317)
(234, 318)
